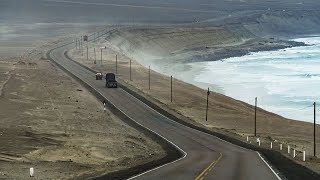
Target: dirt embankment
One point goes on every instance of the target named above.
(50, 122)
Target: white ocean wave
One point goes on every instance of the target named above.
(283, 80)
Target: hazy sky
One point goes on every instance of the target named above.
(39, 11)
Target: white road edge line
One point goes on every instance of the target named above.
(207, 134)
(185, 125)
(179, 147)
(185, 153)
(268, 166)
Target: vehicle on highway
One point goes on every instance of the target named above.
(111, 80)
(98, 76)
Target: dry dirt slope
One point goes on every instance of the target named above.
(50, 122)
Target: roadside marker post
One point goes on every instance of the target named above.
(304, 156)
(294, 153)
(288, 149)
(31, 172)
(247, 138)
(280, 147)
(270, 145)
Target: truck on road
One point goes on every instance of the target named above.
(98, 76)
(111, 80)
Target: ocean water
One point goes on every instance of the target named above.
(286, 82)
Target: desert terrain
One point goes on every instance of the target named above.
(226, 115)
(50, 122)
(53, 124)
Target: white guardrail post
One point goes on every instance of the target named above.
(31, 172)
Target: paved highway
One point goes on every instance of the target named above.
(205, 156)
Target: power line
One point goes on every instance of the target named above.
(305, 107)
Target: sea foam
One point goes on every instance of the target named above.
(285, 81)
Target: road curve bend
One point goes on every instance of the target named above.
(205, 156)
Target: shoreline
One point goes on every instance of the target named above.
(251, 47)
(223, 112)
(178, 67)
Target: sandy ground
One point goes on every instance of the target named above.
(226, 115)
(58, 128)
(50, 122)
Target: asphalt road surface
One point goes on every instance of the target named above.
(205, 156)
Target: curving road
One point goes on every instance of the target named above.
(205, 156)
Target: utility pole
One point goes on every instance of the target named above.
(314, 129)
(130, 70)
(255, 117)
(81, 50)
(171, 88)
(116, 64)
(94, 52)
(81, 46)
(101, 56)
(87, 53)
(149, 77)
(208, 93)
